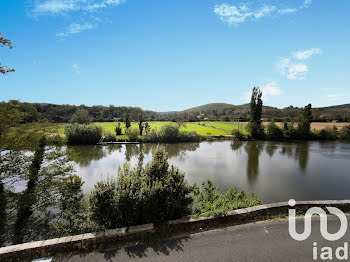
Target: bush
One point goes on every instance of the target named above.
(238, 135)
(345, 133)
(103, 205)
(118, 130)
(273, 132)
(133, 134)
(109, 137)
(256, 130)
(83, 134)
(211, 203)
(150, 194)
(170, 133)
(55, 139)
(328, 133)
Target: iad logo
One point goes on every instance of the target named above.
(326, 252)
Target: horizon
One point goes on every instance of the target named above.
(176, 55)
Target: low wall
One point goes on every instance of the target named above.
(134, 233)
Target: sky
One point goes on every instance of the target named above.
(175, 54)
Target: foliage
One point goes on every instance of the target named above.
(3, 214)
(305, 122)
(141, 120)
(74, 217)
(103, 204)
(28, 197)
(170, 133)
(81, 116)
(345, 133)
(109, 136)
(83, 134)
(238, 135)
(5, 42)
(274, 132)
(153, 193)
(255, 128)
(133, 134)
(328, 133)
(118, 130)
(127, 121)
(209, 202)
(147, 128)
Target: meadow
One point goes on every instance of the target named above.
(205, 128)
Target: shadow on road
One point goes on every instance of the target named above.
(140, 250)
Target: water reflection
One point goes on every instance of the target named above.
(302, 155)
(276, 171)
(253, 150)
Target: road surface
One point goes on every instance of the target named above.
(261, 241)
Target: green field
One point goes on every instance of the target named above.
(202, 128)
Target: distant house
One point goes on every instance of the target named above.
(116, 119)
(335, 121)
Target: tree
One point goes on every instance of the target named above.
(147, 128)
(141, 119)
(127, 121)
(118, 130)
(256, 104)
(5, 42)
(28, 197)
(81, 116)
(305, 122)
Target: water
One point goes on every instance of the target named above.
(275, 171)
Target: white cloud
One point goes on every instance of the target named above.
(76, 69)
(64, 6)
(75, 28)
(236, 14)
(306, 54)
(335, 97)
(271, 89)
(86, 10)
(307, 3)
(297, 71)
(245, 97)
(291, 66)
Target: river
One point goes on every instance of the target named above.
(275, 171)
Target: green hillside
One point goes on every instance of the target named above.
(210, 107)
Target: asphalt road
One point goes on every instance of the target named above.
(262, 241)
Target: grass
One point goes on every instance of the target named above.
(205, 128)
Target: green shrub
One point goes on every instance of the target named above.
(211, 203)
(273, 132)
(133, 134)
(55, 139)
(345, 133)
(328, 134)
(256, 130)
(118, 130)
(150, 194)
(238, 135)
(109, 137)
(83, 134)
(103, 204)
(170, 133)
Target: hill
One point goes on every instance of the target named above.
(209, 107)
(338, 106)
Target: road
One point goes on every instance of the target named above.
(261, 241)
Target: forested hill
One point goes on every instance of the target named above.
(211, 112)
(345, 106)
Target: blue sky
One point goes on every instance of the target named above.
(175, 54)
